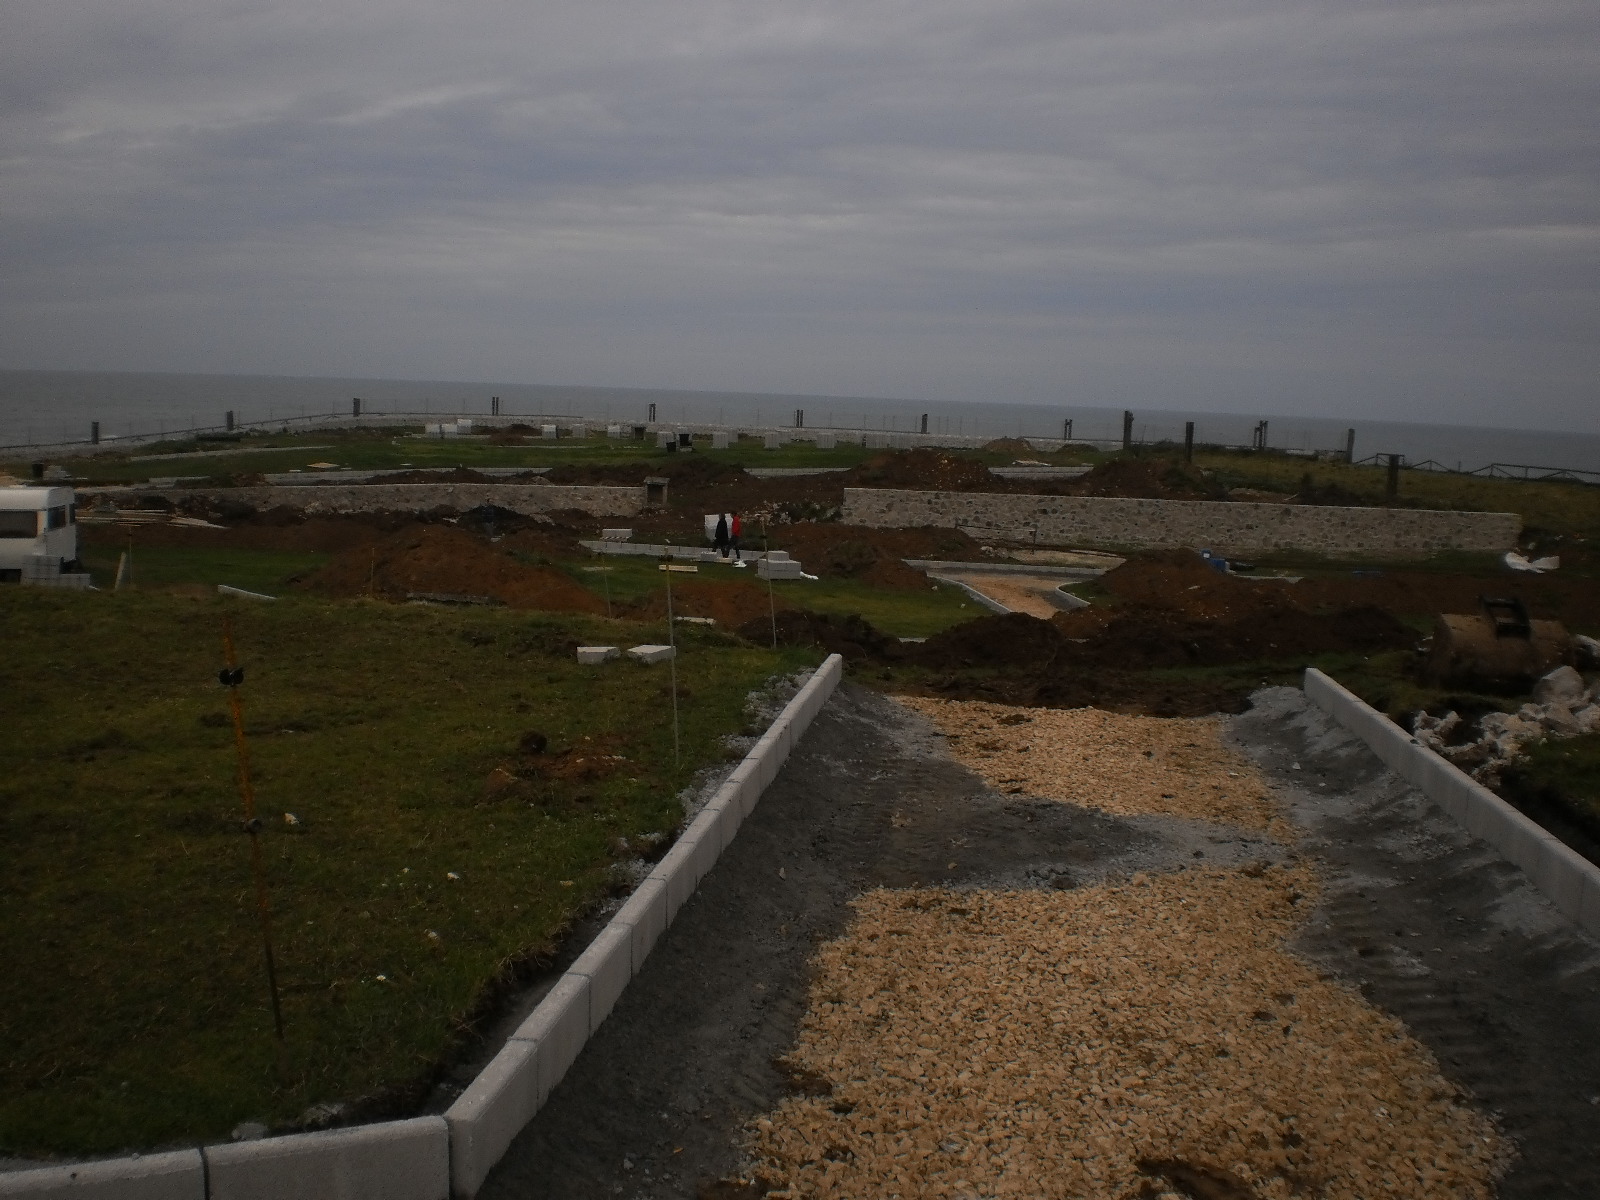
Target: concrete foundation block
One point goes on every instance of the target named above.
(548, 431)
(645, 913)
(779, 570)
(179, 1175)
(591, 655)
(652, 654)
(826, 441)
(393, 1160)
(558, 1029)
(608, 962)
(490, 1113)
(774, 440)
(616, 535)
(720, 441)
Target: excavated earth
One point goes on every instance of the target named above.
(705, 1081)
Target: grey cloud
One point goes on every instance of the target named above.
(1245, 200)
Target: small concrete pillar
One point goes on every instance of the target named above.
(719, 441)
(652, 413)
(924, 422)
(228, 420)
(1127, 430)
(94, 433)
(355, 406)
(1349, 445)
(1188, 441)
(1392, 487)
(494, 406)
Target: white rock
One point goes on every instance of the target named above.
(1562, 686)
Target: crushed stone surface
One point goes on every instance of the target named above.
(1020, 593)
(1117, 763)
(1150, 1039)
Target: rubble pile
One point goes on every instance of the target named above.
(1564, 705)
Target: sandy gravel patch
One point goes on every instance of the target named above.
(1152, 1039)
(1126, 765)
(1019, 593)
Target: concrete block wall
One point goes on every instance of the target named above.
(1567, 879)
(1232, 528)
(524, 498)
(434, 1158)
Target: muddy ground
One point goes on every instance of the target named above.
(1432, 925)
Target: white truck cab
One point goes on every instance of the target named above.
(39, 536)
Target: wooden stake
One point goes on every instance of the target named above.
(231, 678)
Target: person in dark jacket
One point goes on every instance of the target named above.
(719, 540)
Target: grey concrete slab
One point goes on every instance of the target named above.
(608, 963)
(489, 1114)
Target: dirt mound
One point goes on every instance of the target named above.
(455, 475)
(441, 558)
(873, 556)
(732, 603)
(1182, 581)
(850, 636)
(1008, 446)
(1003, 640)
(1146, 479)
(922, 468)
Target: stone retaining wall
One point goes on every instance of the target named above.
(525, 498)
(1230, 528)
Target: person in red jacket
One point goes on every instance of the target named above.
(735, 528)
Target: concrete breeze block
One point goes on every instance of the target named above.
(597, 654)
(652, 654)
(491, 1112)
(608, 962)
(392, 1160)
(179, 1175)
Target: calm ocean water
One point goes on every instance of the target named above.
(41, 407)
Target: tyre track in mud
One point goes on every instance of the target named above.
(1439, 930)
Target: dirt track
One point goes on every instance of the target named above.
(1430, 925)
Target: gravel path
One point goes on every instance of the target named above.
(714, 1034)
(1019, 593)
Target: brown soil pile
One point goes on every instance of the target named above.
(443, 559)
(733, 603)
(1574, 601)
(1145, 478)
(923, 468)
(850, 636)
(457, 475)
(1008, 446)
(873, 556)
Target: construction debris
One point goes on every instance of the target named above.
(1564, 705)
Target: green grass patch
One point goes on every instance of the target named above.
(900, 613)
(136, 1009)
(1563, 773)
(163, 566)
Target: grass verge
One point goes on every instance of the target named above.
(416, 875)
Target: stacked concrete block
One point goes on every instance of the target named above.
(580, 431)
(720, 441)
(549, 432)
(1567, 879)
(778, 565)
(665, 438)
(826, 441)
(774, 441)
(617, 535)
(652, 654)
(593, 655)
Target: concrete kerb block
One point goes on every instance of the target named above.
(392, 1160)
(179, 1175)
(608, 962)
(1561, 874)
(1589, 904)
(491, 1112)
(645, 913)
(730, 814)
(676, 873)
(707, 849)
(558, 1027)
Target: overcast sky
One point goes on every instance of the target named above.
(1359, 209)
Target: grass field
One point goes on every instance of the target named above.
(134, 1003)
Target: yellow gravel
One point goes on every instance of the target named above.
(1143, 1040)
(1019, 593)
(1125, 765)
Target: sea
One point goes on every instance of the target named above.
(55, 407)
